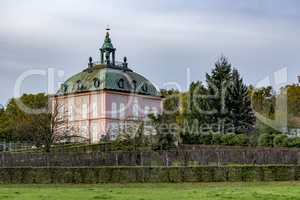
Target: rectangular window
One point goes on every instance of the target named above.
(122, 110)
(84, 111)
(61, 111)
(95, 111)
(94, 133)
(84, 130)
(71, 113)
(114, 110)
(146, 112)
(94, 107)
(135, 109)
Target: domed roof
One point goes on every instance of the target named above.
(108, 77)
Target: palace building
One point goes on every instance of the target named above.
(96, 102)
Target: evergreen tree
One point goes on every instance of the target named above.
(193, 113)
(239, 105)
(218, 84)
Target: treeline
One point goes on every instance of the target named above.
(17, 125)
(220, 111)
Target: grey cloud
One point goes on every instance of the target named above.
(164, 36)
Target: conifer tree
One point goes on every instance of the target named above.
(239, 104)
(218, 83)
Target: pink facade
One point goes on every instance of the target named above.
(103, 97)
(92, 115)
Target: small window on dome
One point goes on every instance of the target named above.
(145, 87)
(121, 83)
(134, 85)
(79, 85)
(65, 87)
(96, 82)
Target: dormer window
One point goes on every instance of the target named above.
(121, 83)
(64, 88)
(145, 87)
(96, 82)
(134, 85)
(79, 85)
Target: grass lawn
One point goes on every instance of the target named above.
(201, 191)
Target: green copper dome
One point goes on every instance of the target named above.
(107, 75)
(103, 77)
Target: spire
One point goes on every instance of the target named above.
(107, 41)
(107, 50)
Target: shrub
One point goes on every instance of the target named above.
(216, 138)
(294, 142)
(234, 139)
(280, 140)
(253, 140)
(241, 140)
(206, 139)
(265, 140)
(229, 139)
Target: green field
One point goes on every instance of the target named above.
(201, 191)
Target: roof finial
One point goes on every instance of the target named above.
(107, 33)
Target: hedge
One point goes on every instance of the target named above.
(94, 175)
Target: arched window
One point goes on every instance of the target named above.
(79, 85)
(61, 111)
(94, 133)
(134, 84)
(84, 111)
(114, 110)
(146, 111)
(135, 108)
(71, 107)
(65, 88)
(113, 130)
(122, 110)
(121, 83)
(94, 107)
(145, 87)
(84, 130)
(154, 111)
(96, 82)
(71, 112)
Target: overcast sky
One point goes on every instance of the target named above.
(162, 39)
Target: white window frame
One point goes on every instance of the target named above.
(154, 111)
(94, 131)
(84, 111)
(94, 107)
(135, 108)
(122, 111)
(114, 110)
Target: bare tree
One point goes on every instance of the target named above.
(61, 131)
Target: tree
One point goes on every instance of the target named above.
(166, 133)
(39, 129)
(263, 101)
(218, 83)
(61, 130)
(5, 128)
(241, 114)
(22, 126)
(193, 114)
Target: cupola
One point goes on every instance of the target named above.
(107, 52)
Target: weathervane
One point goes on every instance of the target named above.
(107, 28)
